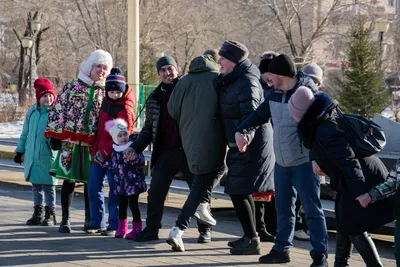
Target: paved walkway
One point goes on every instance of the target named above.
(21, 245)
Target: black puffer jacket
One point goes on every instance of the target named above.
(240, 93)
(148, 134)
(350, 176)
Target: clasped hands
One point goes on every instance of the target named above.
(242, 141)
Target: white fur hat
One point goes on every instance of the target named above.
(114, 127)
(97, 57)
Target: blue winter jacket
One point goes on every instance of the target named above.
(38, 156)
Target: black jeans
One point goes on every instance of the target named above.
(245, 210)
(132, 202)
(168, 164)
(364, 245)
(202, 184)
(266, 216)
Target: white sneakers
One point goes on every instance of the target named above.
(301, 235)
(203, 214)
(175, 239)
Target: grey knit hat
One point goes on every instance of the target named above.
(164, 61)
(314, 71)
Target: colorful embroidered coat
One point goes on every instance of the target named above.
(128, 175)
(74, 120)
(75, 113)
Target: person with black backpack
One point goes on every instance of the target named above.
(391, 187)
(351, 174)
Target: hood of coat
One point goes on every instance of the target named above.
(320, 110)
(203, 63)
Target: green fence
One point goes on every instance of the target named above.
(144, 92)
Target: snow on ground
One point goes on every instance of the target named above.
(11, 129)
(7, 99)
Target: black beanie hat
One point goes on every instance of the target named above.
(233, 51)
(164, 61)
(264, 63)
(282, 65)
(115, 81)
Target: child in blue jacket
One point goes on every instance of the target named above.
(34, 151)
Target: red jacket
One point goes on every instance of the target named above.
(110, 110)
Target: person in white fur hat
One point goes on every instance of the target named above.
(72, 125)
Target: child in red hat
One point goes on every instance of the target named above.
(34, 151)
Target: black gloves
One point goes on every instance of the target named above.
(18, 158)
(55, 143)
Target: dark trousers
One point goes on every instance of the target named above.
(364, 245)
(245, 210)
(168, 164)
(132, 202)
(202, 185)
(266, 216)
(67, 194)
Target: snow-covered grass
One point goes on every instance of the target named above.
(7, 99)
(11, 129)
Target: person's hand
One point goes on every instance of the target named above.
(364, 199)
(55, 144)
(19, 158)
(316, 169)
(129, 154)
(241, 141)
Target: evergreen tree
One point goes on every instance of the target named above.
(363, 89)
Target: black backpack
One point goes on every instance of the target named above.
(365, 136)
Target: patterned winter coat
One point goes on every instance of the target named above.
(128, 175)
(75, 113)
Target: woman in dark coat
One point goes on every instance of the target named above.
(240, 93)
(350, 176)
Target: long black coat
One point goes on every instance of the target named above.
(240, 93)
(350, 176)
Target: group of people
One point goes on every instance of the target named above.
(267, 129)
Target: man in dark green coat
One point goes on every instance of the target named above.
(194, 105)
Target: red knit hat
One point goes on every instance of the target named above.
(42, 87)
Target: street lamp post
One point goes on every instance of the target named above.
(381, 27)
(28, 42)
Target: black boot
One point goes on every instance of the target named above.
(50, 217)
(65, 225)
(319, 260)
(247, 247)
(37, 216)
(274, 257)
(67, 193)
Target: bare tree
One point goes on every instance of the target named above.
(24, 78)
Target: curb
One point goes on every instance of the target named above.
(7, 155)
